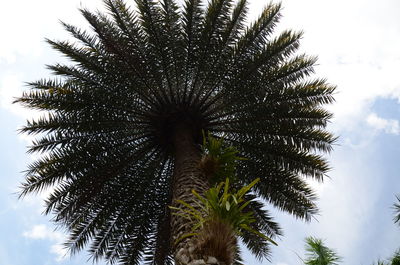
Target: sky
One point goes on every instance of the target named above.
(358, 45)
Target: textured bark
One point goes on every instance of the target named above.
(216, 240)
(188, 176)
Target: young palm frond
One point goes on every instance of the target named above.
(220, 204)
(319, 254)
(108, 140)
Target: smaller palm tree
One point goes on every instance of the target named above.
(319, 254)
(394, 260)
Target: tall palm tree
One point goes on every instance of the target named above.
(120, 140)
(319, 254)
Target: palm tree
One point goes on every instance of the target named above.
(396, 208)
(120, 137)
(319, 254)
(394, 260)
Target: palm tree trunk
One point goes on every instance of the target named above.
(188, 176)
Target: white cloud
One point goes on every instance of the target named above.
(26, 28)
(60, 251)
(10, 87)
(43, 232)
(387, 125)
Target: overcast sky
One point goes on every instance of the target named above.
(358, 45)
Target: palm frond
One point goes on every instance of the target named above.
(396, 208)
(318, 254)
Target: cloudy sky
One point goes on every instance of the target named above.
(358, 45)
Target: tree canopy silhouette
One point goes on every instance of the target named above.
(121, 134)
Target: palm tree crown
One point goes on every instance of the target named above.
(107, 138)
(319, 254)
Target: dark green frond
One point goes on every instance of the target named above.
(264, 223)
(258, 34)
